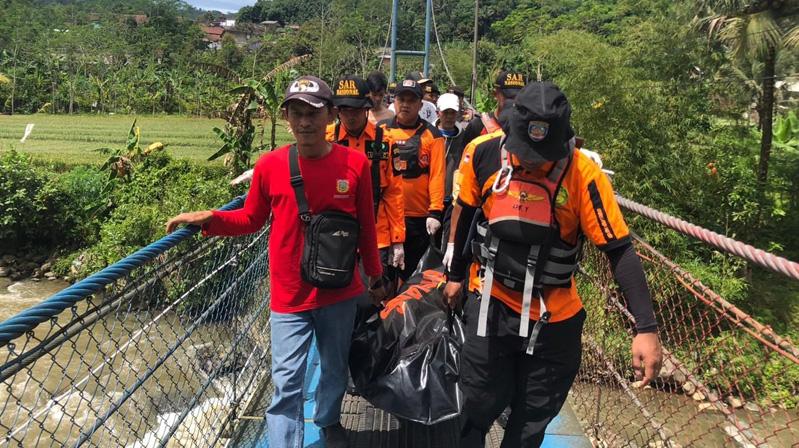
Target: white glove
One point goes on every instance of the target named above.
(593, 156)
(243, 177)
(448, 255)
(397, 256)
(433, 225)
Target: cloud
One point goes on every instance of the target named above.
(221, 5)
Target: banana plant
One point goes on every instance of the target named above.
(121, 161)
(786, 132)
(257, 97)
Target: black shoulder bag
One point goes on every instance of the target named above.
(330, 251)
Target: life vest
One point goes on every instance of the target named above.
(376, 151)
(489, 123)
(518, 243)
(406, 155)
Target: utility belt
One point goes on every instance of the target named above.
(519, 244)
(557, 269)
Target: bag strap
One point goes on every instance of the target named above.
(489, 123)
(377, 149)
(295, 177)
(421, 129)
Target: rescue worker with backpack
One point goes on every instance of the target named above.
(527, 200)
(417, 150)
(507, 86)
(354, 130)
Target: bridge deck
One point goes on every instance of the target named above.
(369, 427)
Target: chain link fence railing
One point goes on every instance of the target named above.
(168, 347)
(726, 379)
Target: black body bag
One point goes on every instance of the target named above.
(406, 359)
(329, 254)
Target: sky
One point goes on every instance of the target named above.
(220, 5)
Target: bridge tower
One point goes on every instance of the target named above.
(395, 52)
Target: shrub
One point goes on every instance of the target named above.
(159, 188)
(31, 206)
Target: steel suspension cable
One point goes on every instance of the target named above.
(745, 251)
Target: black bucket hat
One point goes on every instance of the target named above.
(539, 128)
(352, 91)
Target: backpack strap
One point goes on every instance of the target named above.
(377, 150)
(295, 177)
(489, 123)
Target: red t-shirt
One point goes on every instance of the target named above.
(341, 181)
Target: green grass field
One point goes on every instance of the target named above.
(72, 139)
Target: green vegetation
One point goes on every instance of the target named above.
(72, 139)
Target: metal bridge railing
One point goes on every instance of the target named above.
(727, 380)
(170, 347)
(164, 348)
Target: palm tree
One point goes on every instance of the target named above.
(755, 31)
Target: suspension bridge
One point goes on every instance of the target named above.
(170, 347)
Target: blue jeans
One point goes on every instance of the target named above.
(292, 335)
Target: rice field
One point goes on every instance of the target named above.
(72, 139)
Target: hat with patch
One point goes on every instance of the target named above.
(510, 82)
(408, 85)
(539, 126)
(309, 89)
(351, 91)
(431, 87)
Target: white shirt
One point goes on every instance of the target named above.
(428, 112)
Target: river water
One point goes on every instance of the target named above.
(143, 418)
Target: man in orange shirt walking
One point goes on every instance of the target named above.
(533, 199)
(351, 98)
(417, 150)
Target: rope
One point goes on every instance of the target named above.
(28, 319)
(383, 50)
(745, 251)
(438, 44)
(441, 52)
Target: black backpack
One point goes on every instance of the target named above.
(330, 251)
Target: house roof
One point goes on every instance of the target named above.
(212, 33)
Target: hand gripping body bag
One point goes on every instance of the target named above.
(406, 359)
(331, 238)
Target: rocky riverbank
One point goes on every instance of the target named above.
(37, 267)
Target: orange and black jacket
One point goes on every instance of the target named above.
(390, 206)
(424, 194)
(585, 205)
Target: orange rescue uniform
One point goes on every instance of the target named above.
(424, 195)
(391, 209)
(585, 205)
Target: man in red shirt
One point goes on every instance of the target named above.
(335, 178)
